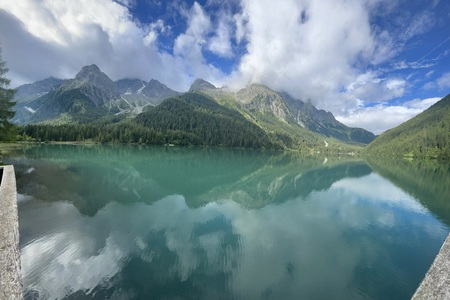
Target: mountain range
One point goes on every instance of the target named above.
(92, 96)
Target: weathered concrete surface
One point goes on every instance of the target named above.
(436, 284)
(10, 274)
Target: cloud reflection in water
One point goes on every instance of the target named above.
(329, 244)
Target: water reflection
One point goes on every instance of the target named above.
(274, 226)
(90, 177)
(427, 180)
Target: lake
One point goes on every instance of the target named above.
(132, 222)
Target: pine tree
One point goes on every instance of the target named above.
(7, 130)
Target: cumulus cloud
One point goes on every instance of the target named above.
(64, 36)
(369, 88)
(382, 117)
(154, 30)
(332, 52)
(189, 44)
(301, 47)
(72, 35)
(220, 43)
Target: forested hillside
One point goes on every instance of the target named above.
(206, 121)
(190, 119)
(426, 135)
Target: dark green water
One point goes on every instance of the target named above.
(129, 222)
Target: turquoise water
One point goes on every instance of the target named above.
(129, 222)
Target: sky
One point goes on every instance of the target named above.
(373, 63)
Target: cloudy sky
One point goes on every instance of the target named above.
(372, 63)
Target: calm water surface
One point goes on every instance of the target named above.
(129, 222)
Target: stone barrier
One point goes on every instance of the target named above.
(10, 273)
(436, 284)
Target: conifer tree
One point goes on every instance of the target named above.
(7, 130)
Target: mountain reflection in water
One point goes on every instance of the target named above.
(123, 222)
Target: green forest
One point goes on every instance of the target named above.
(190, 119)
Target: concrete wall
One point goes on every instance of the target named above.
(436, 284)
(10, 274)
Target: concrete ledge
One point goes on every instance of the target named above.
(436, 284)
(10, 273)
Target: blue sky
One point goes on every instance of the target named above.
(372, 63)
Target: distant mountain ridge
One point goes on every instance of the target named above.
(89, 95)
(32, 91)
(92, 95)
(261, 103)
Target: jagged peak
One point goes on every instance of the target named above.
(87, 70)
(255, 90)
(259, 86)
(201, 84)
(153, 82)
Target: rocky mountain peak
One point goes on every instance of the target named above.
(94, 84)
(92, 75)
(256, 92)
(88, 71)
(158, 91)
(201, 84)
(155, 84)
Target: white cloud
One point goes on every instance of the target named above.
(188, 49)
(421, 104)
(66, 35)
(220, 43)
(189, 45)
(323, 51)
(444, 81)
(420, 24)
(154, 30)
(382, 117)
(127, 3)
(307, 48)
(59, 37)
(240, 23)
(431, 85)
(370, 88)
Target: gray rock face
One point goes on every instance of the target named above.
(32, 91)
(138, 93)
(200, 84)
(158, 91)
(93, 83)
(267, 102)
(130, 86)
